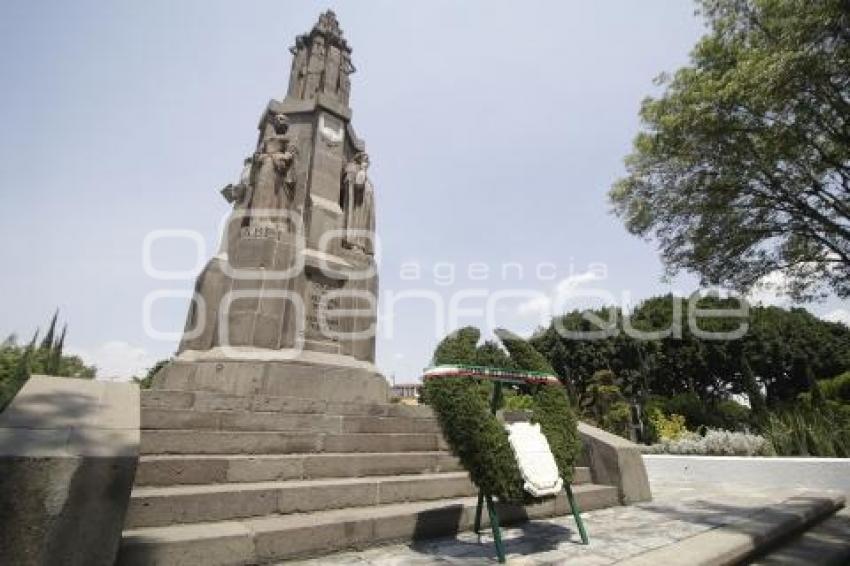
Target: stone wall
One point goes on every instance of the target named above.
(815, 473)
(68, 454)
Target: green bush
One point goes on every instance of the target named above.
(604, 405)
(666, 428)
(803, 431)
(837, 388)
(147, 381)
(515, 401)
(715, 442)
(730, 415)
(818, 424)
(723, 414)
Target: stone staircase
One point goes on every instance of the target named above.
(253, 479)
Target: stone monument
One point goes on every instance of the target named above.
(271, 434)
(288, 304)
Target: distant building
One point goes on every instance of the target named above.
(407, 393)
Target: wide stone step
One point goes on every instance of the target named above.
(221, 442)
(164, 470)
(277, 421)
(161, 506)
(172, 469)
(213, 401)
(277, 537)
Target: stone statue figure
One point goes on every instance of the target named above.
(358, 205)
(315, 68)
(299, 67)
(273, 174)
(239, 195)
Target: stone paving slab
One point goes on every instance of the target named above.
(679, 511)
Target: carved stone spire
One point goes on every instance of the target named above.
(296, 266)
(321, 62)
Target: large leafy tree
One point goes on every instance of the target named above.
(783, 350)
(742, 166)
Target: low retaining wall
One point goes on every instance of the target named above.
(68, 454)
(613, 460)
(816, 473)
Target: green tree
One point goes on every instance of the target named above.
(17, 363)
(743, 163)
(708, 370)
(751, 387)
(605, 405)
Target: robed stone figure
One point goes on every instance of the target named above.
(358, 205)
(273, 176)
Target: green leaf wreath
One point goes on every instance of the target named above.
(476, 437)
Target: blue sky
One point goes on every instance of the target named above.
(494, 128)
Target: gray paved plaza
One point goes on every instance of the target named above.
(678, 511)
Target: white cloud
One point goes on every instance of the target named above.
(565, 290)
(838, 315)
(537, 305)
(771, 290)
(116, 360)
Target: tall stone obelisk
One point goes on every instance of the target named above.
(288, 305)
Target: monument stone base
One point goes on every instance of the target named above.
(253, 371)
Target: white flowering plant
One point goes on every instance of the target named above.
(715, 442)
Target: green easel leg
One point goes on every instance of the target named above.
(477, 527)
(497, 531)
(576, 513)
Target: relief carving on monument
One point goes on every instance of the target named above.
(331, 130)
(322, 321)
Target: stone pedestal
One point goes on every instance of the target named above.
(285, 373)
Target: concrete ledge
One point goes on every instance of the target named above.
(813, 473)
(615, 461)
(736, 542)
(827, 544)
(68, 454)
